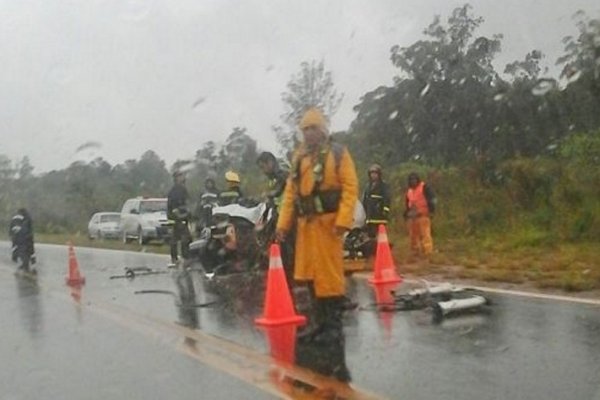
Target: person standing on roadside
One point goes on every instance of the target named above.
(208, 200)
(319, 200)
(21, 234)
(177, 211)
(232, 194)
(419, 208)
(376, 200)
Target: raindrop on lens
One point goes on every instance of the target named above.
(499, 97)
(393, 115)
(574, 76)
(543, 86)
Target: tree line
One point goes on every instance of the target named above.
(448, 107)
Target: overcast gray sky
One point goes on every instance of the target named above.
(171, 75)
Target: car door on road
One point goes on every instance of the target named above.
(129, 220)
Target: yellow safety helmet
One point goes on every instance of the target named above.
(231, 176)
(313, 117)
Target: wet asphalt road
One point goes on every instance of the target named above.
(105, 341)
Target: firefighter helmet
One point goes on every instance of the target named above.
(231, 176)
(375, 168)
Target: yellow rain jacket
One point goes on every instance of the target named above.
(319, 251)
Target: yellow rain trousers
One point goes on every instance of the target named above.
(319, 250)
(419, 230)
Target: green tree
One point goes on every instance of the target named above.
(313, 86)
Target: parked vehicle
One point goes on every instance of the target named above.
(104, 225)
(144, 219)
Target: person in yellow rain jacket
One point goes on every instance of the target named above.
(320, 197)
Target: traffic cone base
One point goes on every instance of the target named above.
(384, 270)
(74, 282)
(282, 342)
(74, 278)
(278, 307)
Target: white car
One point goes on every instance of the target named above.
(104, 225)
(144, 219)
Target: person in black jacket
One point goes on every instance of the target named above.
(208, 200)
(376, 201)
(177, 211)
(277, 176)
(21, 235)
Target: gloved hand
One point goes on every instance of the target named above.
(280, 235)
(386, 214)
(340, 231)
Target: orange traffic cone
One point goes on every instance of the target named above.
(384, 270)
(74, 278)
(278, 308)
(282, 342)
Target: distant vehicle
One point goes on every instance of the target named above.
(144, 219)
(104, 225)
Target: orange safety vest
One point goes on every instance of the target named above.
(416, 199)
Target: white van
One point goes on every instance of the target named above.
(144, 219)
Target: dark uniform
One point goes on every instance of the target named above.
(177, 212)
(276, 180)
(233, 193)
(230, 196)
(21, 234)
(376, 201)
(207, 201)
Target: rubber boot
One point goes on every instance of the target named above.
(328, 321)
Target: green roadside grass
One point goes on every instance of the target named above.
(571, 267)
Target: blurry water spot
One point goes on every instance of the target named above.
(87, 151)
(462, 81)
(571, 127)
(543, 86)
(379, 96)
(270, 68)
(496, 129)
(185, 165)
(499, 97)
(455, 126)
(573, 75)
(393, 115)
(416, 156)
(199, 102)
(88, 146)
(552, 146)
(425, 90)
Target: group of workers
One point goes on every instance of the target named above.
(316, 203)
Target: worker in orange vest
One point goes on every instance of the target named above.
(419, 208)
